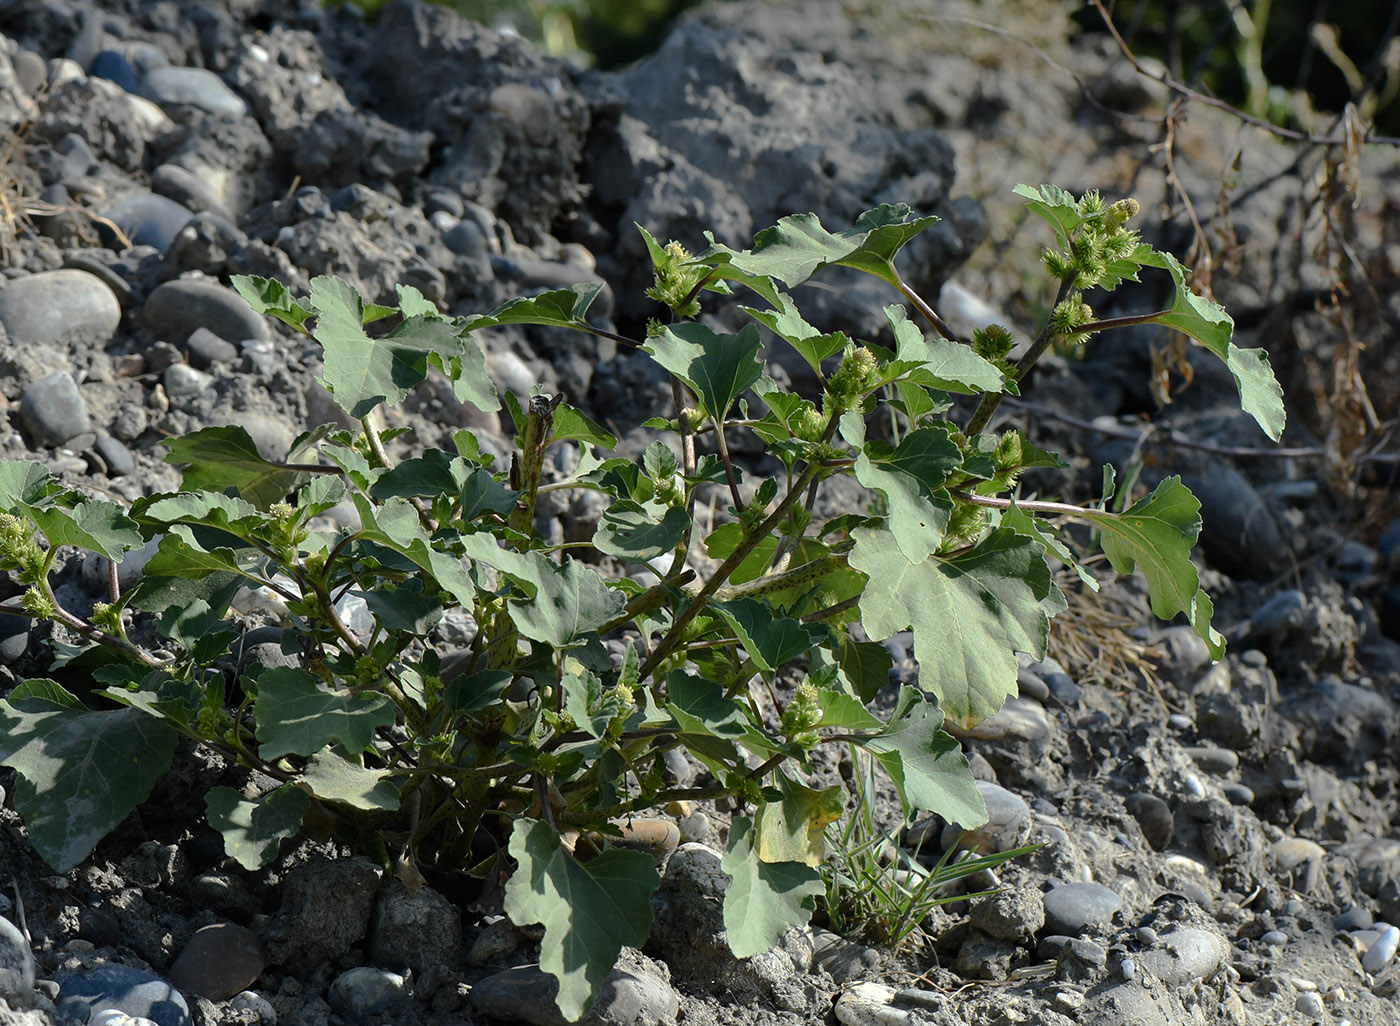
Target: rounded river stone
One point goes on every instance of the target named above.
(59, 307)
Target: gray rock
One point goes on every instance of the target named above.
(219, 961)
(206, 349)
(174, 310)
(193, 87)
(1380, 953)
(1020, 721)
(1186, 652)
(1184, 955)
(325, 910)
(1155, 818)
(497, 940)
(843, 959)
(415, 929)
(148, 219)
(137, 993)
(180, 380)
(1008, 824)
(1281, 614)
(189, 190)
(14, 638)
(1058, 680)
(367, 991)
(1239, 532)
(116, 457)
(637, 992)
(99, 927)
(59, 307)
(1309, 1005)
(1014, 914)
(1274, 938)
(1214, 760)
(53, 411)
(1128, 1002)
(1072, 908)
(31, 70)
(16, 965)
(1354, 918)
(1346, 721)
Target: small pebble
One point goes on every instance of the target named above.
(1192, 786)
(1214, 760)
(1309, 1004)
(1274, 938)
(1379, 954)
(1237, 794)
(1178, 721)
(1146, 936)
(1354, 918)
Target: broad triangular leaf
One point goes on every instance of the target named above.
(910, 476)
(96, 525)
(362, 372)
(945, 364)
(253, 830)
(764, 899)
(928, 767)
(404, 608)
(636, 532)
(25, 482)
(1155, 535)
(1056, 207)
(560, 308)
(770, 640)
(794, 829)
(333, 777)
(700, 707)
(970, 613)
(269, 296)
(1261, 396)
(79, 772)
(395, 524)
(718, 368)
(787, 323)
(298, 714)
(217, 459)
(798, 246)
(589, 910)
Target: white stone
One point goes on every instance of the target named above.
(1379, 954)
(869, 1004)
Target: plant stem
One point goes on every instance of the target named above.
(678, 627)
(723, 447)
(991, 400)
(922, 306)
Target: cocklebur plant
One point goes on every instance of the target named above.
(553, 723)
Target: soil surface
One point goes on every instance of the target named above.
(1221, 843)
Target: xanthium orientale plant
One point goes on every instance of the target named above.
(538, 734)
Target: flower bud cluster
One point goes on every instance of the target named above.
(676, 279)
(857, 376)
(1099, 241)
(803, 715)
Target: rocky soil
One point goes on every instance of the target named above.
(1222, 843)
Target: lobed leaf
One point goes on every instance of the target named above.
(254, 830)
(79, 772)
(589, 910)
(219, 459)
(298, 714)
(970, 613)
(927, 766)
(718, 368)
(764, 899)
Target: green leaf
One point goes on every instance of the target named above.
(560, 308)
(24, 482)
(585, 700)
(79, 772)
(333, 777)
(843, 712)
(572, 425)
(412, 303)
(254, 830)
(794, 829)
(482, 493)
(395, 525)
(1016, 519)
(943, 363)
(220, 459)
(1056, 207)
(362, 372)
(298, 714)
(928, 767)
(1155, 535)
(718, 368)
(724, 539)
(97, 526)
(866, 665)
(589, 910)
(797, 247)
(910, 476)
(563, 603)
(770, 640)
(481, 689)
(404, 608)
(764, 899)
(637, 532)
(434, 473)
(1209, 324)
(787, 323)
(699, 707)
(970, 613)
(268, 296)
